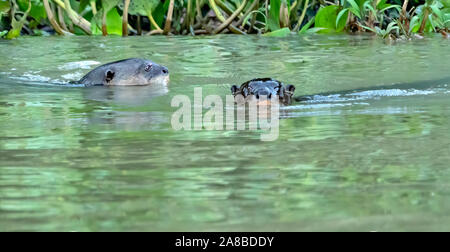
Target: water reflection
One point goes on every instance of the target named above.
(91, 159)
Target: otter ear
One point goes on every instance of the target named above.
(109, 75)
(234, 90)
(290, 88)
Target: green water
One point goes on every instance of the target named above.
(107, 159)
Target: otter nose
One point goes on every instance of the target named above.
(165, 70)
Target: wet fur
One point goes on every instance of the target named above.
(244, 93)
(127, 72)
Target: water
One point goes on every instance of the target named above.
(107, 159)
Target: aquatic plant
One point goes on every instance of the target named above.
(365, 13)
(432, 15)
(198, 17)
(391, 31)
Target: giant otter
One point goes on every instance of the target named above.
(128, 72)
(263, 89)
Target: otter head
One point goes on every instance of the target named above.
(135, 72)
(263, 90)
(129, 72)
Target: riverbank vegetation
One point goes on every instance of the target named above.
(390, 19)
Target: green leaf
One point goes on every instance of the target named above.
(391, 26)
(382, 4)
(339, 16)
(274, 15)
(83, 5)
(4, 6)
(355, 8)
(361, 3)
(446, 20)
(430, 20)
(3, 33)
(397, 7)
(96, 26)
(279, 33)
(252, 13)
(306, 26)
(436, 11)
(13, 33)
(368, 6)
(355, 12)
(23, 4)
(141, 7)
(314, 30)
(379, 31)
(326, 18)
(159, 13)
(368, 28)
(236, 3)
(446, 3)
(414, 25)
(75, 4)
(17, 25)
(109, 4)
(37, 8)
(113, 23)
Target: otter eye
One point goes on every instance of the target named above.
(148, 68)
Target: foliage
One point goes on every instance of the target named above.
(278, 18)
(113, 22)
(279, 33)
(17, 24)
(327, 18)
(307, 30)
(37, 11)
(432, 15)
(385, 33)
(4, 7)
